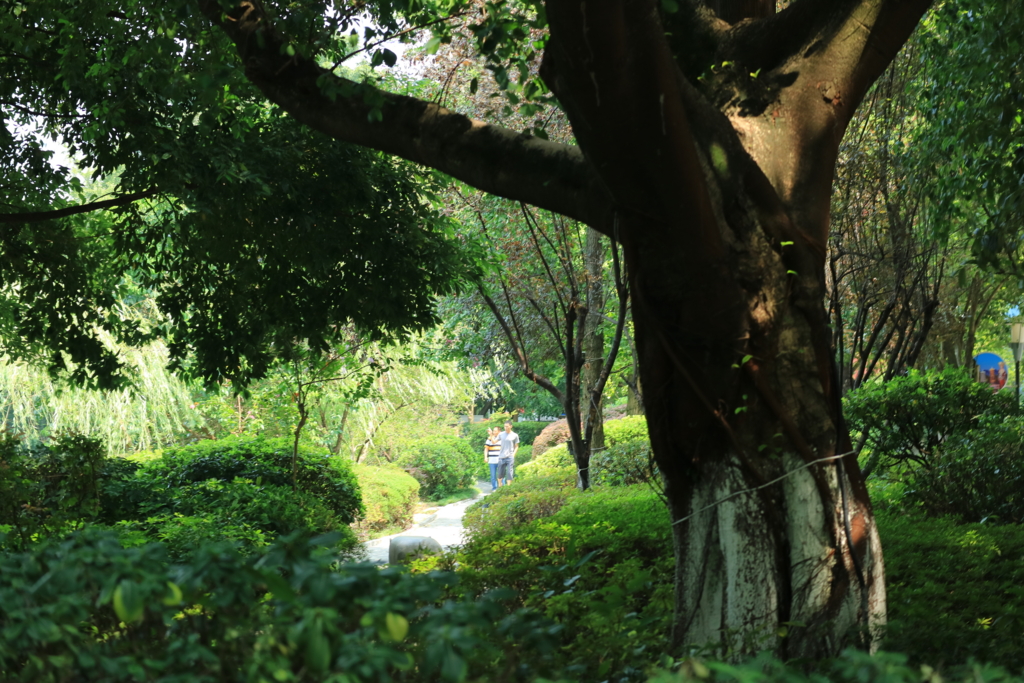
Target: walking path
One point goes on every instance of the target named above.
(443, 525)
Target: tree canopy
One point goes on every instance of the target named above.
(250, 230)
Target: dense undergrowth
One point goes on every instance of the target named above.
(552, 584)
(245, 490)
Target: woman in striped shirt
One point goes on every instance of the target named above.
(492, 447)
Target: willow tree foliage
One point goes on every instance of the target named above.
(706, 138)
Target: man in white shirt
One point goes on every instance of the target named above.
(506, 458)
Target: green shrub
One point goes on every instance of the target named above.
(955, 592)
(977, 478)
(183, 534)
(623, 429)
(389, 495)
(123, 495)
(49, 488)
(265, 462)
(525, 501)
(240, 512)
(553, 462)
(443, 465)
(601, 566)
(100, 612)
(908, 419)
(624, 463)
(237, 489)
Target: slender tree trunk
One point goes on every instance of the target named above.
(593, 345)
(634, 400)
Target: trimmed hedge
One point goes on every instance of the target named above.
(237, 489)
(555, 462)
(389, 496)
(629, 428)
(264, 462)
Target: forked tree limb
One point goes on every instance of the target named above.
(524, 364)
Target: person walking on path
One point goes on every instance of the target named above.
(507, 455)
(492, 448)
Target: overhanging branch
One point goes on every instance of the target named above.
(38, 216)
(496, 160)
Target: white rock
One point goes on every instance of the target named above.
(404, 549)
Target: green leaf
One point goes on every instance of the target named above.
(397, 626)
(318, 650)
(128, 604)
(174, 595)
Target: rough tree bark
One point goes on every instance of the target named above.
(707, 147)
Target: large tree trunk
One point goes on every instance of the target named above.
(768, 530)
(724, 227)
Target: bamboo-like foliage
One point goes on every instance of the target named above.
(154, 412)
(407, 400)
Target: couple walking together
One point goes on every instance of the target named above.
(500, 454)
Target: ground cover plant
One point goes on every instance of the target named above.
(956, 591)
(594, 562)
(553, 581)
(953, 590)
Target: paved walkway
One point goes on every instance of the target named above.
(443, 524)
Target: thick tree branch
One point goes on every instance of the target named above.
(610, 65)
(815, 61)
(37, 216)
(517, 166)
